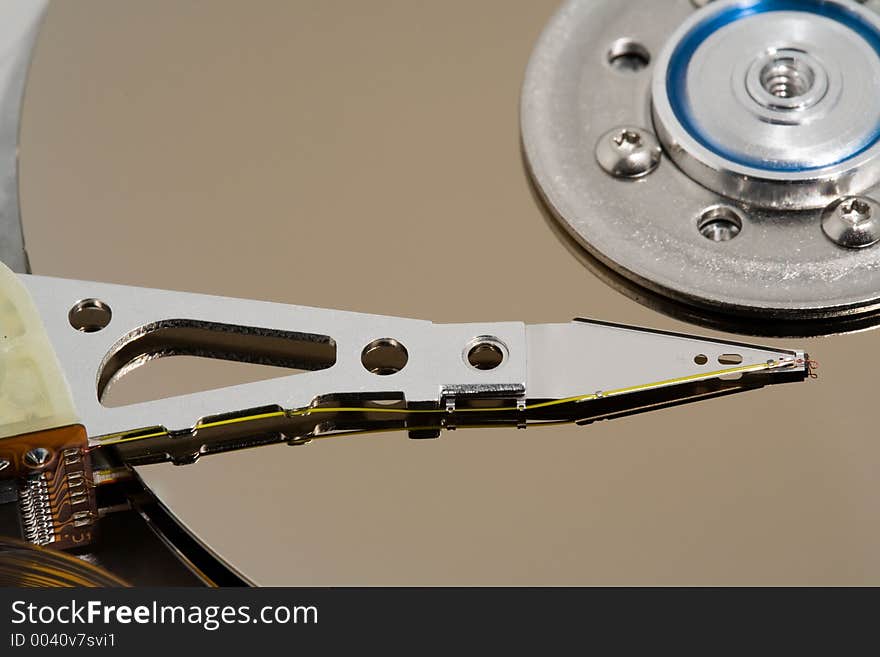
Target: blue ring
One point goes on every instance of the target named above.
(676, 75)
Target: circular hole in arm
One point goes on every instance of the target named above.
(384, 356)
(89, 315)
(485, 353)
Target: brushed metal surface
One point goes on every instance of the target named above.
(365, 156)
(779, 266)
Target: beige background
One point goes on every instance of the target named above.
(365, 156)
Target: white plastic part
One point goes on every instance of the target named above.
(34, 394)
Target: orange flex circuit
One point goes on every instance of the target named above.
(56, 493)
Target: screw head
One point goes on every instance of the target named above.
(37, 457)
(852, 222)
(628, 152)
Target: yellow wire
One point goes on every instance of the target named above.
(306, 411)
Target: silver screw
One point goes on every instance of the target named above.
(852, 222)
(37, 456)
(4, 463)
(628, 152)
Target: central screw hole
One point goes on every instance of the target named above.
(857, 207)
(629, 138)
(855, 210)
(786, 76)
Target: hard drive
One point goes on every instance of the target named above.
(445, 162)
